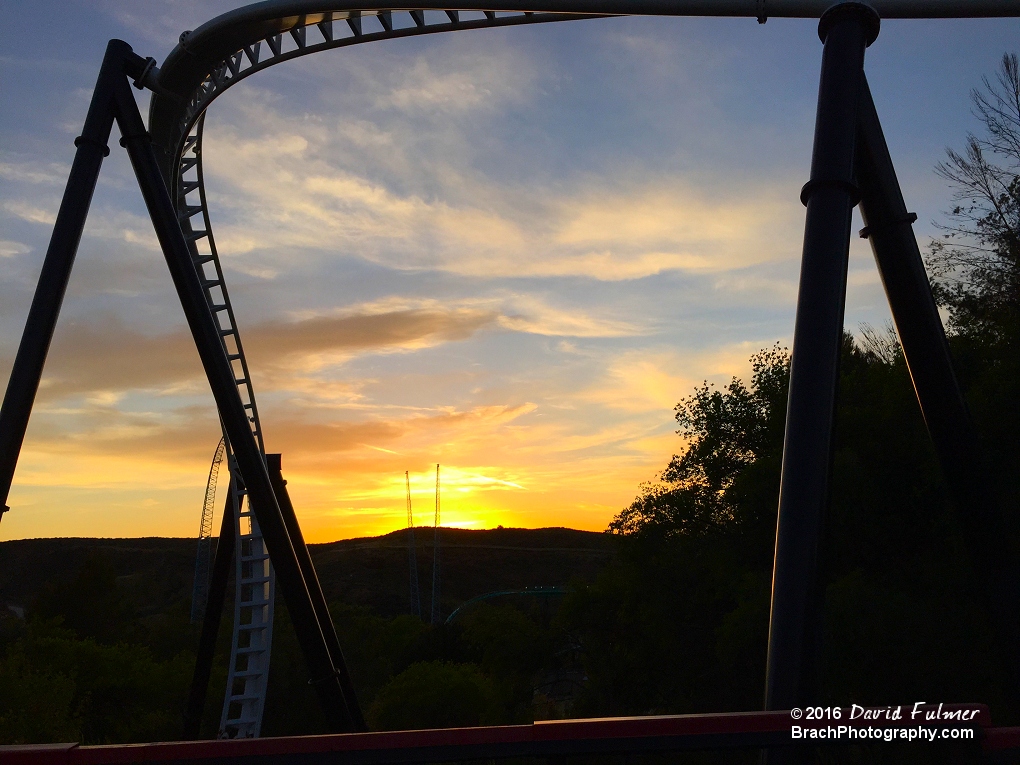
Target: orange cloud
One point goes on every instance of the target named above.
(108, 355)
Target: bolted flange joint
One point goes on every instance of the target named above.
(850, 9)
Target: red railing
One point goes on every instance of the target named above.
(540, 739)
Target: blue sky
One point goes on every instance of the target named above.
(508, 251)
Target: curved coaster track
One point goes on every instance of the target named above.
(239, 44)
(200, 591)
(851, 165)
(179, 123)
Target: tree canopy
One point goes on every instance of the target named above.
(976, 261)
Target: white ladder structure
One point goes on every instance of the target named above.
(248, 674)
(245, 697)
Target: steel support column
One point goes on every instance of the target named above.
(274, 464)
(235, 422)
(925, 348)
(113, 99)
(211, 620)
(888, 227)
(56, 269)
(846, 30)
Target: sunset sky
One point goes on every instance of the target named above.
(510, 252)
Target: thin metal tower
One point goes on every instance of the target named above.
(415, 595)
(435, 559)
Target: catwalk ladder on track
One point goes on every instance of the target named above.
(245, 697)
(248, 674)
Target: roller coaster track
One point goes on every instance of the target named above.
(251, 644)
(240, 43)
(248, 672)
(218, 55)
(200, 592)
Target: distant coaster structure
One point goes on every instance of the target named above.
(200, 590)
(850, 166)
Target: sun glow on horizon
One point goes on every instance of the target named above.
(430, 261)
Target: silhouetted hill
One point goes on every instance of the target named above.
(156, 573)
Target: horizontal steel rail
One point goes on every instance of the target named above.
(541, 739)
(232, 47)
(213, 56)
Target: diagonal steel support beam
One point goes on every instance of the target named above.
(888, 227)
(310, 632)
(56, 271)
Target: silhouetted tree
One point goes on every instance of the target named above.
(90, 603)
(727, 431)
(436, 694)
(975, 266)
(976, 261)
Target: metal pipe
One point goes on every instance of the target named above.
(846, 31)
(221, 380)
(56, 270)
(274, 464)
(925, 348)
(926, 352)
(206, 49)
(274, 16)
(211, 620)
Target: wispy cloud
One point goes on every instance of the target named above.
(29, 212)
(401, 180)
(107, 354)
(9, 249)
(51, 174)
(459, 83)
(621, 233)
(162, 23)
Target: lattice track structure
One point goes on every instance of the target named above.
(251, 645)
(200, 591)
(254, 598)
